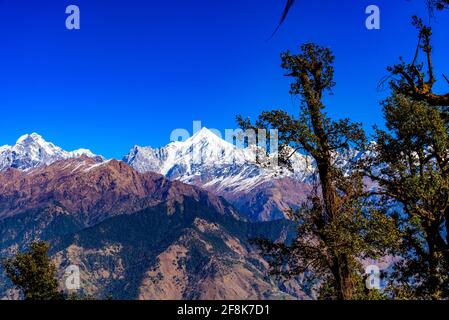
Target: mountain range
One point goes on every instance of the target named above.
(136, 233)
(203, 160)
(207, 161)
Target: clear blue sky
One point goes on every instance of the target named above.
(139, 69)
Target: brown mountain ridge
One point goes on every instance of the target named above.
(137, 235)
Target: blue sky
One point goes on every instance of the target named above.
(139, 69)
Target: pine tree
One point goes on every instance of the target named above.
(33, 273)
(337, 227)
(412, 169)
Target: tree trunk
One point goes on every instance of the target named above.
(341, 270)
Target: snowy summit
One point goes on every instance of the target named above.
(31, 151)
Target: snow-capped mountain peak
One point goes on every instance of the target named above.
(32, 150)
(82, 152)
(205, 158)
(202, 151)
(204, 135)
(29, 138)
(207, 161)
(35, 146)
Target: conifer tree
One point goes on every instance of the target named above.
(33, 273)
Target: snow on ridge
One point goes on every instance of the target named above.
(96, 165)
(82, 152)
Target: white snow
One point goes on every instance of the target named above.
(208, 160)
(32, 151)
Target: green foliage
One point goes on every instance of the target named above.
(413, 157)
(416, 80)
(417, 176)
(33, 273)
(337, 226)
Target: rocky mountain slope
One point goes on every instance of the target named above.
(136, 235)
(193, 253)
(91, 189)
